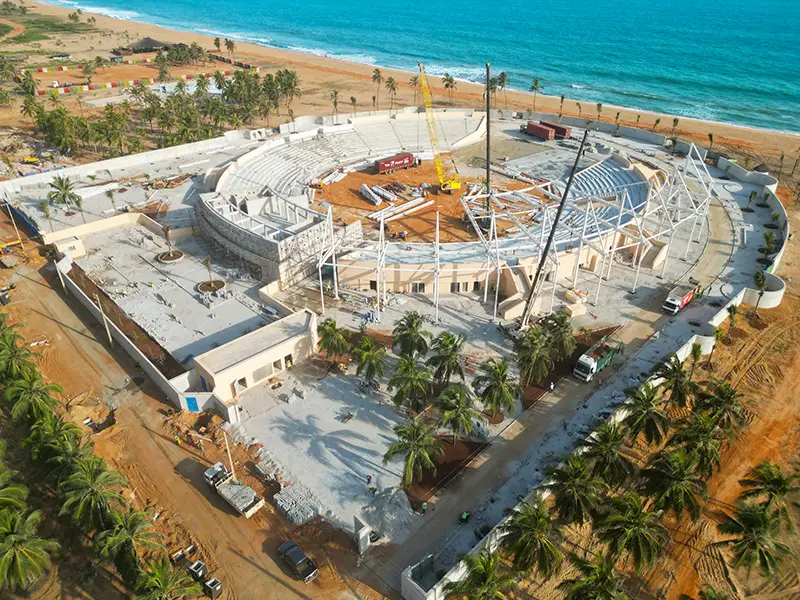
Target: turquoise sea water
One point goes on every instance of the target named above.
(736, 61)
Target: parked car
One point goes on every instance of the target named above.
(302, 567)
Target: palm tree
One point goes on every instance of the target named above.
(377, 79)
(128, 534)
(217, 44)
(159, 582)
(696, 353)
(416, 442)
(629, 527)
(575, 488)
(599, 110)
(732, 310)
(413, 83)
(597, 580)
(719, 335)
(502, 82)
(230, 46)
(708, 593)
(760, 279)
(561, 107)
(724, 404)
(63, 455)
(409, 338)
(676, 380)
(370, 359)
(63, 192)
(671, 477)
(558, 328)
(701, 435)
(534, 355)
(483, 581)
(23, 555)
(445, 362)
(110, 195)
(391, 87)
(768, 481)
(604, 449)
(675, 122)
(710, 141)
(645, 415)
(496, 387)
(12, 495)
(79, 206)
(753, 195)
(30, 396)
(15, 357)
(531, 536)
(536, 88)
(45, 208)
(755, 529)
(332, 340)
(656, 123)
(456, 411)
(412, 382)
(49, 429)
(91, 491)
(353, 103)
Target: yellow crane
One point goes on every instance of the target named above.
(446, 183)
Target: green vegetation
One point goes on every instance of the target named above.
(88, 494)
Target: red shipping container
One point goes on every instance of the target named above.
(393, 163)
(561, 130)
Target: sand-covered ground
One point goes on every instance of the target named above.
(319, 75)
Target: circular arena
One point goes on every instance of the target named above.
(290, 206)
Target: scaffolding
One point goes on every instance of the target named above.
(609, 223)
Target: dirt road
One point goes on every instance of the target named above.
(166, 477)
(16, 29)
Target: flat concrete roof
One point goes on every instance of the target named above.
(163, 298)
(250, 345)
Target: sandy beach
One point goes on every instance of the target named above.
(320, 75)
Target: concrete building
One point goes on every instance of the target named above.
(252, 359)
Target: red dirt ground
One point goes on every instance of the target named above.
(455, 458)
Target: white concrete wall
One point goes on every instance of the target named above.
(129, 163)
(64, 266)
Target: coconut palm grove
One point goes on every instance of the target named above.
(626, 488)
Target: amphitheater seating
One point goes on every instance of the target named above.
(286, 169)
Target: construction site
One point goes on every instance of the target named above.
(206, 270)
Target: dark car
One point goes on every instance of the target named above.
(294, 557)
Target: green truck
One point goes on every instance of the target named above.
(596, 358)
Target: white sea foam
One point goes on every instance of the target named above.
(124, 15)
(468, 74)
(577, 86)
(364, 59)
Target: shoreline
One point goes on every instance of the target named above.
(351, 76)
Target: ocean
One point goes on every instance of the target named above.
(735, 61)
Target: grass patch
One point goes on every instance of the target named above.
(5, 29)
(37, 28)
(27, 37)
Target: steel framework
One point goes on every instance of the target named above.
(590, 220)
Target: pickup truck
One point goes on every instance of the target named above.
(302, 567)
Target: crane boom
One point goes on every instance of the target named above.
(445, 182)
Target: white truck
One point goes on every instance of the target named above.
(239, 496)
(680, 296)
(596, 358)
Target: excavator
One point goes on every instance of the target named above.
(447, 183)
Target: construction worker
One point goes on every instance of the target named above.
(177, 439)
